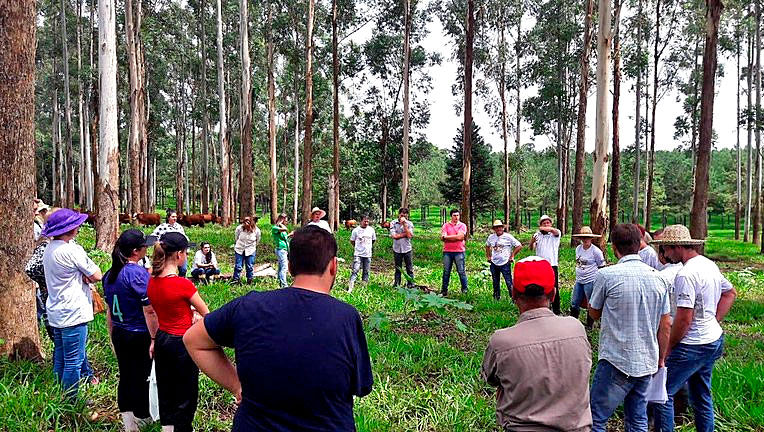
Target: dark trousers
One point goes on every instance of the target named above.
(207, 272)
(132, 350)
(556, 302)
(496, 273)
(177, 382)
(400, 259)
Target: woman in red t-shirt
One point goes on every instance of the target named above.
(174, 299)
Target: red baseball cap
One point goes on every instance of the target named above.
(533, 270)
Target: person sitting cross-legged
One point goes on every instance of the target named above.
(541, 364)
(301, 354)
(205, 263)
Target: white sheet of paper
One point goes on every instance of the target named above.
(656, 390)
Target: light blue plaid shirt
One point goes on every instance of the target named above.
(633, 297)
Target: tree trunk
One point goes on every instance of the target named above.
(84, 164)
(699, 213)
(757, 135)
(180, 150)
(246, 188)
(749, 127)
(225, 164)
(599, 174)
(205, 113)
(504, 119)
(615, 176)
(272, 121)
(307, 165)
(578, 185)
(738, 192)
(518, 116)
(637, 125)
(107, 193)
(334, 177)
(18, 326)
(406, 113)
(133, 142)
(651, 164)
(296, 149)
(69, 161)
(58, 196)
(91, 136)
(467, 149)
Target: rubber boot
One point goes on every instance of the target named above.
(589, 321)
(574, 312)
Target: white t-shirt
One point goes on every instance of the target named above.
(363, 238)
(547, 246)
(322, 224)
(37, 230)
(669, 272)
(200, 260)
(69, 298)
(699, 285)
(650, 257)
(588, 261)
(501, 247)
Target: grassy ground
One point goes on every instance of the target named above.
(426, 361)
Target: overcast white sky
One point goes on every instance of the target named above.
(444, 122)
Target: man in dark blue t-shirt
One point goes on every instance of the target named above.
(301, 354)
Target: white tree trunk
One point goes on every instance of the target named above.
(107, 222)
(406, 113)
(296, 154)
(225, 165)
(602, 137)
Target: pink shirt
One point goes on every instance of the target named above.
(451, 229)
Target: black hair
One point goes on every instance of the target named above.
(208, 255)
(119, 256)
(311, 250)
(626, 238)
(403, 210)
(454, 211)
(533, 291)
(365, 217)
(169, 212)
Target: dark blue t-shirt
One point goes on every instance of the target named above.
(300, 356)
(127, 296)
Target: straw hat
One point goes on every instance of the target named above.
(674, 235)
(586, 232)
(41, 206)
(497, 223)
(316, 209)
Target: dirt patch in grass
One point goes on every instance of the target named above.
(441, 328)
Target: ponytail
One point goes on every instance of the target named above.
(118, 261)
(158, 260)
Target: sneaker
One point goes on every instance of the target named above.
(350, 286)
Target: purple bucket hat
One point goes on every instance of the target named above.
(63, 221)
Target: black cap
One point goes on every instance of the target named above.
(174, 241)
(134, 239)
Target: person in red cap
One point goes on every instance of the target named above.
(540, 365)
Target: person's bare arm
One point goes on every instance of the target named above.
(682, 321)
(488, 253)
(725, 303)
(664, 333)
(199, 304)
(595, 314)
(515, 251)
(152, 322)
(533, 243)
(406, 231)
(211, 359)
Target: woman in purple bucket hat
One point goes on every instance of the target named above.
(68, 274)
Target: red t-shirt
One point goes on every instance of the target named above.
(171, 298)
(454, 229)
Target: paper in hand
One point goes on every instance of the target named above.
(656, 390)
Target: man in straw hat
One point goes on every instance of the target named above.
(40, 214)
(68, 275)
(500, 250)
(540, 365)
(546, 243)
(632, 300)
(703, 298)
(316, 218)
(589, 259)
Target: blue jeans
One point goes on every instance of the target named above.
(581, 291)
(183, 269)
(282, 255)
(496, 272)
(69, 359)
(694, 365)
(249, 261)
(448, 261)
(610, 388)
(207, 272)
(358, 264)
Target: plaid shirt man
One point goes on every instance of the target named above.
(633, 297)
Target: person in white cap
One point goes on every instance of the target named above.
(500, 250)
(703, 298)
(316, 218)
(546, 243)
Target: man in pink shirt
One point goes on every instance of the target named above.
(452, 235)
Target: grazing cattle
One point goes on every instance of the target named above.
(208, 217)
(217, 219)
(91, 217)
(350, 223)
(147, 218)
(191, 220)
(386, 224)
(124, 218)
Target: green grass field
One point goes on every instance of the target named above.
(426, 361)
